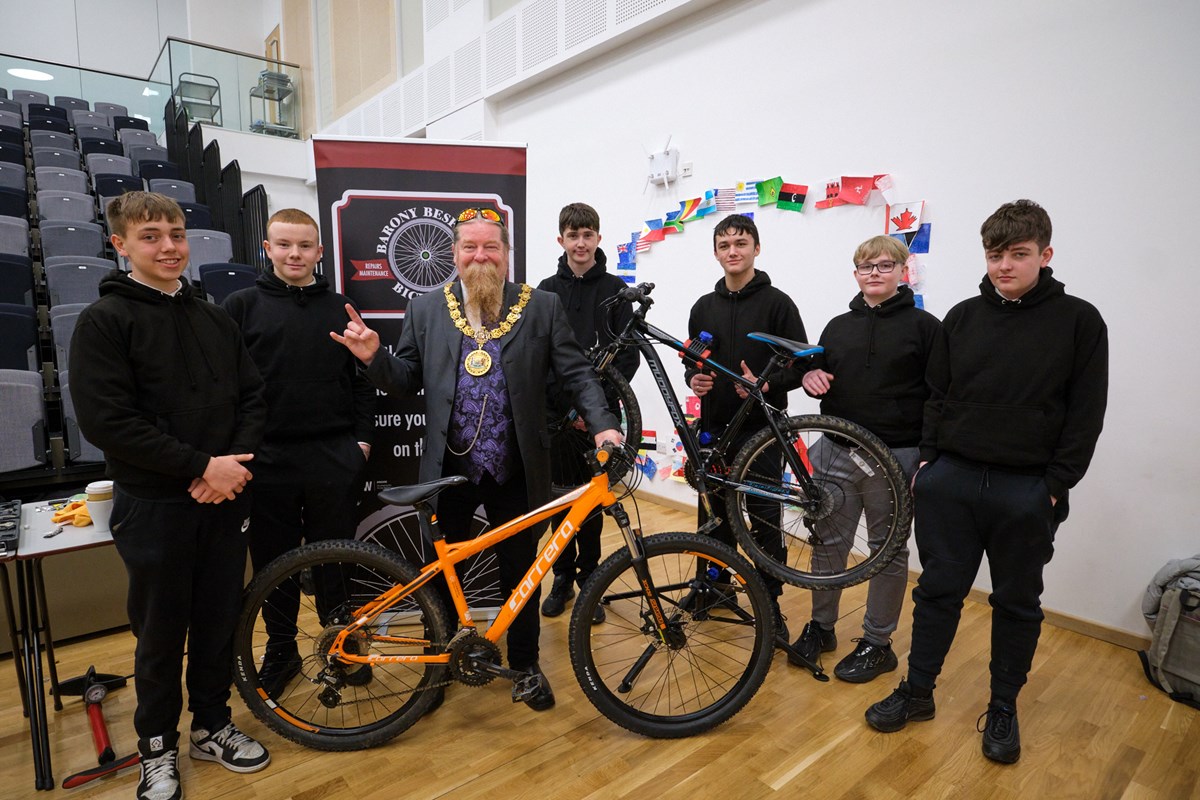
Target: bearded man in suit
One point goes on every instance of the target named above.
(484, 349)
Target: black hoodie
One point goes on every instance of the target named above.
(729, 316)
(877, 356)
(161, 383)
(1020, 384)
(314, 388)
(583, 299)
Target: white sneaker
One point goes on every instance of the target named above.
(160, 777)
(230, 748)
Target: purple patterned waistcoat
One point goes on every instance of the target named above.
(492, 451)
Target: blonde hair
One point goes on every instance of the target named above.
(878, 246)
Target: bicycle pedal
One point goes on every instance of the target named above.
(709, 526)
(526, 687)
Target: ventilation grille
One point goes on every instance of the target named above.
(437, 88)
(459, 5)
(354, 123)
(583, 20)
(477, 136)
(629, 9)
(324, 69)
(370, 119)
(501, 42)
(539, 32)
(391, 111)
(436, 12)
(414, 100)
(468, 77)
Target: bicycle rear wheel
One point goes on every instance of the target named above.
(718, 646)
(853, 525)
(293, 610)
(570, 446)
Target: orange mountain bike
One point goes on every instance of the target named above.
(341, 645)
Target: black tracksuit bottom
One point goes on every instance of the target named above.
(455, 511)
(963, 511)
(186, 563)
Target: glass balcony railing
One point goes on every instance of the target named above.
(143, 98)
(216, 86)
(234, 90)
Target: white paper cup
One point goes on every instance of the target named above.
(100, 511)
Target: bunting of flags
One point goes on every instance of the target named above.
(902, 220)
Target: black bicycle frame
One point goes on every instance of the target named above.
(642, 335)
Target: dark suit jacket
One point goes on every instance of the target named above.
(539, 349)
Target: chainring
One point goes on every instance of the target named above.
(467, 649)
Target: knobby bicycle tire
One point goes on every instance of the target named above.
(851, 530)
(315, 699)
(569, 447)
(719, 614)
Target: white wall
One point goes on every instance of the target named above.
(82, 33)
(1087, 107)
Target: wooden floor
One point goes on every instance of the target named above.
(1091, 728)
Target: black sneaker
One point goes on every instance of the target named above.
(160, 775)
(898, 709)
(229, 747)
(813, 641)
(1001, 734)
(781, 627)
(277, 670)
(866, 663)
(561, 591)
(542, 697)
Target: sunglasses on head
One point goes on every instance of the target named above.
(469, 214)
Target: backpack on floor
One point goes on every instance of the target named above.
(1171, 607)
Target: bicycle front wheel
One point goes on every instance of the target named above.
(569, 446)
(715, 652)
(293, 611)
(838, 527)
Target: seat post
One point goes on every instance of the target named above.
(428, 521)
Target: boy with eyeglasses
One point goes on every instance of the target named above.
(585, 286)
(872, 373)
(1019, 385)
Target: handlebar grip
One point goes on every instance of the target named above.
(637, 294)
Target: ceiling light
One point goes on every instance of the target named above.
(30, 74)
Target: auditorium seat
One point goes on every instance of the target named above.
(152, 170)
(197, 216)
(76, 281)
(14, 203)
(71, 239)
(27, 96)
(105, 164)
(12, 154)
(208, 247)
(88, 117)
(106, 146)
(55, 157)
(14, 236)
(67, 180)
(183, 191)
(23, 425)
(134, 136)
(79, 449)
(146, 152)
(111, 185)
(110, 108)
(18, 337)
(71, 103)
(54, 139)
(121, 123)
(13, 176)
(62, 326)
(48, 124)
(46, 111)
(16, 279)
(218, 281)
(70, 206)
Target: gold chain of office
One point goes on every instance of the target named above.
(478, 362)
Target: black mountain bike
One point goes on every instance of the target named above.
(786, 491)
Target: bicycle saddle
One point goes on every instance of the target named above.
(411, 495)
(786, 346)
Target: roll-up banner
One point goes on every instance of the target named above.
(387, 213)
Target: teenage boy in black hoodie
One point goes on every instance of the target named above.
(320, 420)
(873, 373)
(742, 302)
(165, 387)
(583, 284)
(1019, 384)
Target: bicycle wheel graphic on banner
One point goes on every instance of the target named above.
(419, 253)
(398, 530)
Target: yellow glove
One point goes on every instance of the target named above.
(76, 513)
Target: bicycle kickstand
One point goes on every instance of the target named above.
(794, 656)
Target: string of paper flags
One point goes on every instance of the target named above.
(900, 218)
